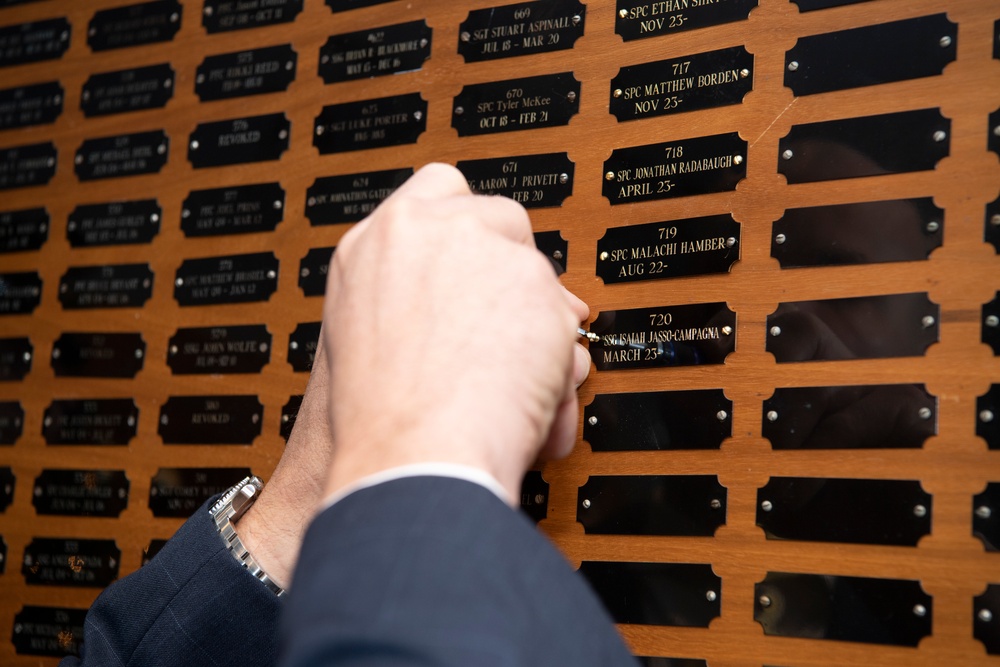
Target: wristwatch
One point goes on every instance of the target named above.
(227, 511)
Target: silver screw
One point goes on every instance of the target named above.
(925, 413)
(324, 59)
(984, 512)
(927, 321)
(271, 275)
(788, 154)
(715, 504)
(200, 78)
(610, 176)
(48, 421)
(289, 66)
(772, 416)
(576, 19)
(940, 136)
(539, 499)
(311, 201)
(604, 256)
(263, 347)
(164, 420)
(945, 41)
(255, 419)
(985, 615)
(138, 354)
(727, 330)
(571, 96)
(56, 353)
(995, 220)
(194, 145)
(780, 238)
(711, 596)
(919, 511)
(586, 504)
(465, 37)
(304, 272)
(919, 610)
(933, 226)
(767, 506)
(423, 43)
(459, 111)
(557, 254)
(78, 159)
(721, 415)
(564, 179)
(154, 217)
(737, 159)
(283, 134)
(131, 421)
(775, 331)
(592, 421)
(731, 241)
(161, 149)
(319, 130)
(277, 204)
(293, 345)
(284, 419)
(986, 416)
(992, 321)
(179, 282)
(764, 601)
(417, 115)
(744, 73)
(208, 11)
(622, 13)
(617, 93)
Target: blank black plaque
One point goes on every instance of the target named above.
(48, 631)
(96, 421)
(658, 420)
(988, 417)
(28, 165)
(991, 324)
(215, 420)
(254, 72)
(108, 286)
(24, 230)
(534, 181)
(674, 594)
(332, 200)
(230, 279)
(132, 25)
(986, 517)
(987, 623)
(114, 223)
(133, 89)
(122, 155)
(676, 505)
(221, 349)
(99, 493)
(521, 29)
(15, 358)
(71, 562)
(34, 42)
(555, 247)
(20, 293)
(365, 54)
(239, 141)
(313, 270)
(634, 18)
(530, 103)
(535, 496)
(243, 209)
(36, 104)
(105, 355)
(302, 346)
(11, 422)
(223, 15)
(179, 492)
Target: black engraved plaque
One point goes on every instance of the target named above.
(892, 143)
(15, 358)
(521, 29)
(99, 421)
(991, 324)
(109, 286)
(106, 355)
(20, 293)
(993, 140)
(25, 166)
(375, 52)
(854, 609)
(555, 247)
(516, 104)
(70, 562)
(32, 42)
(675, 169)
(347, 5)
(216, 420)
(127, 90)
(355, 126)
(535, 496)
(7, 482)
(232, 279)
(678, 505)
(812, 5)
(155, 547)
(178, 492)
(101, 493)
(313, 270)
(676, 594)
(24, 230)
(991, 231)
(987, 623)
(243, 209)
(692, 335)
(11, 422)
(114, 223)
(988, 417)
(48, 631)
(332, 200)
(36, 104)
(689, 83)
(223, 349)
(867, 327)
(302, 346)
(238, 141)
(254, 72)
(225, 15)
(658, 420)
(289, 412)
(534, 181)
(133, 25)
(986, 517)
(638, 19)
(122, 155)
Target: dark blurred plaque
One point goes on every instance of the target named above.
(24, 166)
(122, 155)
(854, 609)
(215, 420)
(11, 422)
(127, 90)
(533, 102)
(986, 517)
(535, 496)
(555, 247)
(37, 104)
(892, 143)
(223, 349)
(991, 229)
(255, 72)
(993, 140)
(313, 270)
(678, 505)
(107, 355)
(70, 562)
(232, 279)
(996, 39)
(109, 286)
(521, 29)
(345, 5)
(811, 5)
(302, 346)
(20, 293)
(225, 15)
(988, 416)
(15, 358)
(7, 481)
(355, 126)
(671, 662)
(178, 492)
(987, 624)
(32, 42)
(658, 420)
(332, 200)
(289, 412)
(676, 594)
(49, 631)
(375, 52)
(101, 421)
(535, 181)
(991, 324)
(132, 25)
(692, 335)
(155, 547)
(3, 555)
(242, 209)
(675, 169)
(114, 223)
(638, 19)
(24, 230)
(866, 327)
(81, 492)
(689, 83)
(9, 3)
(240, 140)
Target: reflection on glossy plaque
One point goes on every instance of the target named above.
(225, 349)
(675, 169)
(535, 181)
(115, 223)
(20, 293)
(232, 279)
(289, 412)
(178, 492)
(987, 623)
(535, 496)
(811, 5)
(15, 358)
(866, 327)
(127, 90)
(375, 52)
(658, 420)
(986, 517)
(254, 72)
(900, 230)
(49, 631)
(345, 5)
(23, 230)
(313, 270)
(638, 19)
(25, 166)
(988, 417)
(242, 209)
(101, 493)
(216, 420)
(302, 346)
(238, 141)
(332, 200)
(70, 562)
(555, 247)
(521, 29)
(355, 126)
(36, 104)
(991, 233)
(109, 286)
(892, 143)
(100, 421)
(692, 335)
(516, 104)
(224, 15)
(991, 324)
(32, 42)
(155, 547)
(854, 609)
(11, 422)
(7, 481)
(122, 155)
(677, 505)
(106, 355)
(132, 25)
(675, 594)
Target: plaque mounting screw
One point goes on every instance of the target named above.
(131, 421)
(764, 601)
(27, 356)
(767, 506)
(154, 217)
(727, 330)
(319, 130)
(772, 416)
(208, 11)
(161, 149)
(744, 73)
(284, 419)
(622, 13)
(194, 145)
(945, 42)
(985, 615)
(311, 201)
(164, 420)
(731, 241)
(925, 413)
(255, 418)
(618, 92)
(417, 115)
(86, 95)
(185, 213)
(179, 282)
(788, 154)
(780, 238)
(539, 499)
(557, 254)
(775, 331)
(200, 78)
(927, 321)
(174, 17)
(423, 43)
(563, 179)
(592, 421)
(283, 134)
(167, 83)
(324, 59)
(933, 226)
(984, 512)
(263, 347)
(715, 504)
(919, 610)
(63, 288)
(995, 220)
(586, 504)
(996, 130)
(576, 19)
(992, 321)
(940, 136)
(304, 272)
(610, 176)
(711, 596)
(919, 511)
(465, 36)
(50, 162)
(48, 421)
(138, 354)
(293, 345)
(986, 416)
(571, 96)
(604, 256)
(792, 66)
(737, 159)
(459, 111)
(721, 416)
(92, 32)
(272, 275)
(56, 353)
(78, 159)
(277, 204)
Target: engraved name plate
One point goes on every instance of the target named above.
(302, 346)
(255, 72)
(355, 126)
(110, 286)
(988, 417)
(132, 25)
(11, 422)
(375, 52)
(555, 247)
(70, 562)
(521, 29)
(535, 181)
(114, 223)
(678, 505)
(106, 355)
(346, 5)
(689, 83)
(692, 335)
(122, 155)
(675, 169)
(658, 420)
(224, 15)
(48, 631)
(867, 327)
(638, 19)
(7, 481)
(987, 624)
(155, 547)
(516, 104)
(289, 412)
(36, 104)
(231, 349)
(892, 143)
(242, 209)
(127, 90)
(24, 230)
(332, 200)
(812, 5)
(986, 517)
(231, 279)
(216, 420)
(32, 42)
(178, 492)
(25, 166)
(313, 270)
(20, 293)
(101, 493)
(101, 421)
(991, 324)
(15, 358)
(676, 594)
(991, 228)
(237, 141)
(535, 496)
(896, 611)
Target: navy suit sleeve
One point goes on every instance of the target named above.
(193, 604)
(433, 571)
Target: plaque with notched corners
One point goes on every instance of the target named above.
(255, 72)
(356, 126)
(690, 247)
(347, 5)
(98, 421)
(689, 83)
(243, 209)
(26, 166)
(333, 200)
(126, 90)
(988, 417)
(104, 355)
(7, 481)
(866, 327)
(535, 495)
(535, 181)
(213, 420)
(692, 335)
(223, 15)
(33, 42)
(99, 493)
(114, 223)
(991, 233)
(134, 25)
(675, 594)
(638, 19)
(991, 324)
(238, 141)
(15, 358)
(812, 5)
(24, 230)
(37, 104)
(20, 293)
(155, 547)
(223, 349)
(521, 29)
(987, 625)
(70, 562)
(658, 420)
(230, 279)
(986, 517)
(313, 270)
(302, 346)
(11, 422)
(676, 505)
(109, 286)
(48, 631)
(895, 612)
(555, 247)
(530, 103)
(122, 155)
(289, 411)
(179, 492)
(892, 143)
(375, 52)
(697, 166)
